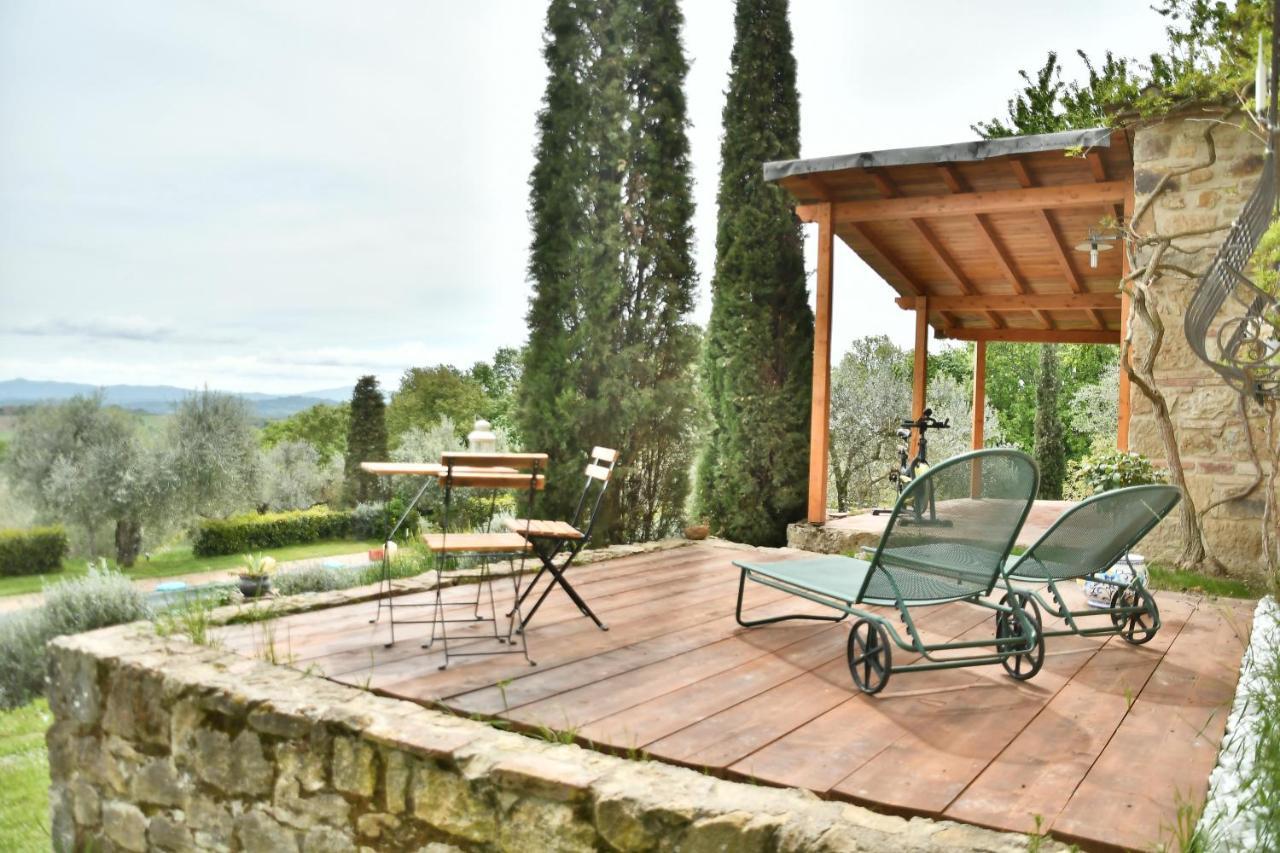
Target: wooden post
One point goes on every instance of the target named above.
(978, 429)
(919, 374)
(1122, 422)
(820, 408)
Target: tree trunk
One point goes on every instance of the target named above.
(128, 541)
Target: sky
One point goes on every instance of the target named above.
(260, 195)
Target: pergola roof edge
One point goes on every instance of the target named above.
(959, 152)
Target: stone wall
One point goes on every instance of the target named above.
(160, 744)
(1203, 407)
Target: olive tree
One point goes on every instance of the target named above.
(91, 467)
(212, 450)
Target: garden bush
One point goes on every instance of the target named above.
(319, 579)
(253, 532)
(100, 598)
(33, 551)
(370, 520)
(1104, 470)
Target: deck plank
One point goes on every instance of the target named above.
(1161, 755)
(1038, 771)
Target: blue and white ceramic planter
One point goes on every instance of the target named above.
(1122, 572)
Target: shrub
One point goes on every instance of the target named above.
(254, 532)
(319, 579)
(370, 520)
(1104, 470)
(100, 598)
(32, 552)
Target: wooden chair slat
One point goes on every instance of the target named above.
(604, 454)
(475, 543)
(518, 461)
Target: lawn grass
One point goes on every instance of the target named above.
(180, 561)
(1179, 580)
(24, 767)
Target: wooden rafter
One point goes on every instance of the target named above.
(1055, 242)
(889, 260)
(887, 189)
(1018, 302)
(1099, 169)
(985, 235)
(962, 204)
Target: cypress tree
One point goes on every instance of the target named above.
(757, 362)
(609, 342)
(366, 440)
(1050, 445)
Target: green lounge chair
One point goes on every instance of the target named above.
(946, 540)
(1084, 542)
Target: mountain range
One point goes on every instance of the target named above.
(160, 399)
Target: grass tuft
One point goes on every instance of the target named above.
(24, 767)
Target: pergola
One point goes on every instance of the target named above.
(977, 239)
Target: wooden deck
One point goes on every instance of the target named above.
(1104, 744)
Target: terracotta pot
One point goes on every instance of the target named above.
(697, 531)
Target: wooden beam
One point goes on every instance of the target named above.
(1037, 336)
(979, 425)
(820, 405)
(1016, 302)
(964, 204)
(920, 368)
(1055, 241)
(1123, 412)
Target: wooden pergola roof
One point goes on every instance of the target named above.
(978, 240)
(985, 229)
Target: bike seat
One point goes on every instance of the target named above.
(904, 433)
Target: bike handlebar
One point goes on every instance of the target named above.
(927, 422)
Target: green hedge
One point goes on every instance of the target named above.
(253, 532)
(33, 551)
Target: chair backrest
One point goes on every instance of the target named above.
(599, 472)
(1092, 535)
(953, 527)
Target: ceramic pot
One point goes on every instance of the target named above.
(254, 586)
(696, 531)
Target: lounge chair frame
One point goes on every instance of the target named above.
(1019, 642)
(1131, 602)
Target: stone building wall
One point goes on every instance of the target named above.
(160, 744)
(1210, 435)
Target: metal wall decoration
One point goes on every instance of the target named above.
(1245, 348)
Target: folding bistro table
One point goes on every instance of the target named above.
(495, 471)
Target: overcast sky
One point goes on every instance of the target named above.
(281, 196)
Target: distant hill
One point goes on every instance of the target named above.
(159, 399)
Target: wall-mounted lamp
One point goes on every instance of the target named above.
(1096, 243)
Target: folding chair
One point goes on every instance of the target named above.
(981, 500)
(551, 538)
(1084, 542)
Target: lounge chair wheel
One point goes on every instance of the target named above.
(1135, 628)
(870, 655)
(1023, 665)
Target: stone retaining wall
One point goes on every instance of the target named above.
(160, 744)
(1211, 438)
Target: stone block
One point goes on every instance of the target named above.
(125, 824)
(62, 821)
(304, 761)
(235, 766)
(734, 831)
(211, 822)
(395, 781)
(534, 824)
(258, 832)
(353, 767)
(169, 832)
(375, 824)
(544, 776)
(158, 783)
(86, 805)
(445, 800)
(74, 695)
(135, 709)
(325, 839)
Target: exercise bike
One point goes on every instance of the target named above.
(908, 468)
